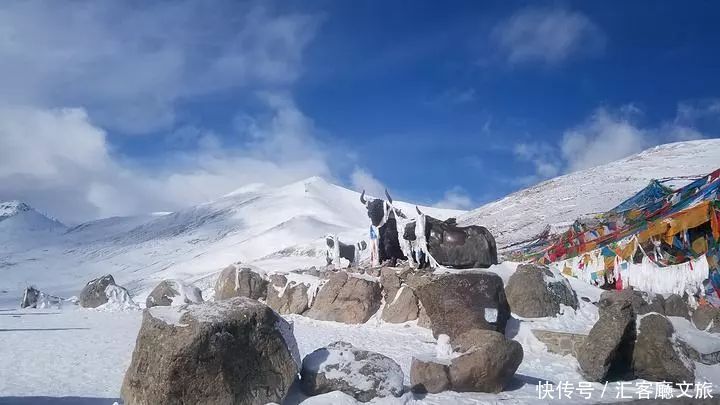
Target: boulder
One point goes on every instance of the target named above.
(676, 306)
(707, 318)
(536, 292)
(427, 376)
(641, 302)
(347, 299)
(93, 294)
(402, 308)
(456, 303)
(607, 350)
(424, 319)
(390, 282)
(292, 299)
(654, 357)
(360, 373)
(173, 292)
(278, 280)
(236, 351)
(488, 364)
(238, 281)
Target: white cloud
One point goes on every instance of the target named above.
(547, 35)
(456, 198)
(60, 162)
(129, 66)
(608, 135)
(361, 179)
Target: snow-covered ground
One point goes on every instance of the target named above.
(73, 355)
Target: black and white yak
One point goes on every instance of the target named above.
(336, 249)
(382, 216)
(436, 242)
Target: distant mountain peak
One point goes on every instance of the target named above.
(12, 208)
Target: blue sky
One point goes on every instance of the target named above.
(128, 107)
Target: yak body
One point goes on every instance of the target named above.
(454, 246)
(349, 252)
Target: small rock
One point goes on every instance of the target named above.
(360, 373)
(346, 299)
(641, 302)
(676, 306)
(707, 318)
(238, 281)
(536, 292)
(292, 300)
(278, 280)
(173, 292)
(429, 376)
(489, 362)
(654, 357)
(402, 308)
(93, 294)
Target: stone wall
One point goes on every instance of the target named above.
(561, 343)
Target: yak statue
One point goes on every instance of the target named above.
(382, 216)
(349, 252)
(460, 247)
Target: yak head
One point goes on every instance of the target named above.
(376, 208)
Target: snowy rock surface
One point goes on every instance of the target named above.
(173, 292)
(233, 351)
(342, 367)
(654, 356)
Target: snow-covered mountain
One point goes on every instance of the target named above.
(561, 200)
(273, 226)
(22, 227)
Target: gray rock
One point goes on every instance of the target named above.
(536, 292)
(163, 294)
(676, 306)
(342, 367)
(294, 299)
(609, 343)
(707, 318)
(429, 376)
(346, 299)
(423, 319)
(489, 362)
(641, 302)
(236, 351)
(402, 307)
(93, 294)
(654, 357)
(238, 281)
(456, 303)
(390, 282)
(278, 280)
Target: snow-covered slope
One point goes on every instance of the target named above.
(253, 223)
(561, 200)
(22, 227)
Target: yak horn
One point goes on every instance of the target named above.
(388, 196)
(362, 198)
(418, 210)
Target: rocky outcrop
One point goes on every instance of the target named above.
(236, 351)
(93, 294)
(239, 281)
(609, 343)
(428, 376)
(347, 299)
(457, 303)
(402, 307)
(488, 364)
(641, 302)
(676, 306)
(654, 357)
(361, 374)
(173, 292)
(390, 282)
(291, 299)
(707, 318)
(536, 292)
